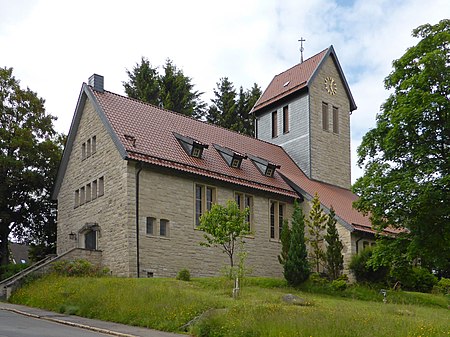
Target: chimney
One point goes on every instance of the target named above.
(96, 82)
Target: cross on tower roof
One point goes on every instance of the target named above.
(301, 48)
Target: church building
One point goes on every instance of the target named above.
(135, 178)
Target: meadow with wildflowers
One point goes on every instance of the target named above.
(168, 304)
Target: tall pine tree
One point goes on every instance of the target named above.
(296, 266)
(334, 258)
(143, 83)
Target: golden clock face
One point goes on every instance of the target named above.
(330, 85)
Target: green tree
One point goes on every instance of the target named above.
(316, 223)
(224, 226)
(406, 181)
(296, 267)
(171, 90)
(177, 92)
(222, 111)
(143, 83)
(333, 258)
(29, 157)
(231, 110)
(285, 243)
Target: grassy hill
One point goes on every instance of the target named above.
(167, 304)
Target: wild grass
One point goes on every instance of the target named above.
(168, 304)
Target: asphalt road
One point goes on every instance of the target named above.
(16, 325)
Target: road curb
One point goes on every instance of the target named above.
(77, 325)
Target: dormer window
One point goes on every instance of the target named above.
(191, 146)
(231, 157)
(264, 166)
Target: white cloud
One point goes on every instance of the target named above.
(56, 45)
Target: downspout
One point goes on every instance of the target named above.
(356, 242)
(139, 169)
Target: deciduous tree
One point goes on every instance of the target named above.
(406, 181)
(30, 152)
(224, 226)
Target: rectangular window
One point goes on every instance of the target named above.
(277, 217)
(77, 198)
(88, 148)
(205, 197)
(88, 192)
(94, 189)
(83, 151)
(256, 127)
(82, 195)
(335, 120)
(325, 119)
(101, 186)
(90, 240)
(274, 124)
(150, 226)
(94, 144)
(164, 227)
(244, 201)
(285, 119)
(272, 220)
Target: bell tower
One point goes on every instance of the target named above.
(306, 110)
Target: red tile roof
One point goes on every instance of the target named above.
(290, 80)
(155, 143)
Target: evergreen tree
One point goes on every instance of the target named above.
(222, 112)
(285, 243)
(172, 89)
(143, 83)
(177, 94)
(296, 267)
(30, 153)
(334, 257)
(245, 103)
(316, 226)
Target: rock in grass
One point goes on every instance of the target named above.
(295, 300)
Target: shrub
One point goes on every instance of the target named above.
(424, 281)
(339, 285)
(78, 268)
(363, 271)
(184, 275)
(11, 269)
(443, 286)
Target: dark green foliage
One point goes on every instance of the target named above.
(363, 271)
(9, 270)
(80, 268)
(184, 275)
(30, 151)
(285, 242)
(316, 222)
(296, 266)
(231, 110)
(443, 286)
(334, 259)
(406, 183)
(171, 90)
(416, 279)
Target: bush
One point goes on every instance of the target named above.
(339, 285)
(443, 286)
(415, 279)
(184, 275)
(365, 273)
(11, 269)
(78, 268)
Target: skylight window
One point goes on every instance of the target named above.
(193, 147)
(231, 157)
(286, 84)
(264, 166)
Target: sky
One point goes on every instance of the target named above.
(54, 46)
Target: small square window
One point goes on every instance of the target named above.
(196, 152)
(236, 163)
(164, 227)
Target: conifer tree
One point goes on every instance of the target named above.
(334, 258)
(316, 225)
(285, 243)
(296, 267)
